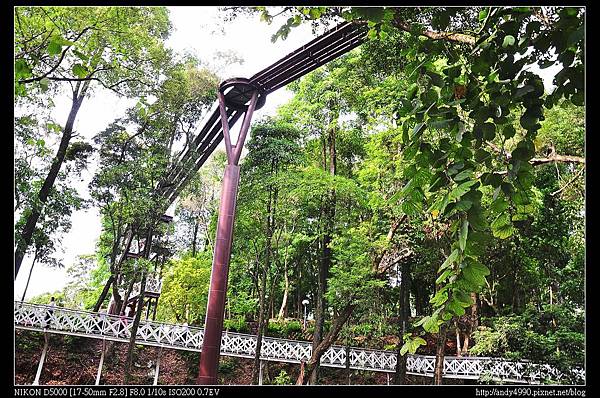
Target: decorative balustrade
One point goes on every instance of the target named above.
(111, 327)
(153, 285)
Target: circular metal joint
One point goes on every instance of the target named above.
(238, 93)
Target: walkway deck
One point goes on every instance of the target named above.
(109, 327)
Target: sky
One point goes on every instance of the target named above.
(198, 30)
(201, 32)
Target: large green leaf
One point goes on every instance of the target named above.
(54, 48)
(502, 226)
(419, 128)
(455, 307)
(473, 276)
(499, 205)
(509, 40)
(463, 175)
(450, 260)
(80, 71)
(411, 345)
(464, 231)
(462, 189)
(444, 276)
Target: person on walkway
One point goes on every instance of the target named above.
(52, 305)
(124, 318)
(103, 324)
(185, 331)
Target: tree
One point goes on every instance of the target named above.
(198, 204)
(119, 48)
(272, 151)
(466, 92)
(185, 289)
(133, 164)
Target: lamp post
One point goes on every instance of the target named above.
(304, 303)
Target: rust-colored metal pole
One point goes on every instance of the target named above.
(213, 326)
(211, 345)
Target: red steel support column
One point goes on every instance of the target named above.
(213, 327)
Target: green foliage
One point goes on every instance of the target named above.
(110, 44)
(185, 289)
(552, 335)
(44, 298)
(282, 378)
(287, 329)
(433, 140)
(227, 365)
(411, 344)
(237, 325)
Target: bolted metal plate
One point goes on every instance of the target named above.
(238, 92)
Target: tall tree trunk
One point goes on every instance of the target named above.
(115, 268)
(128, 293)
(272, 298)
(327, 341)
(29, 277)
(457, 333)
(271, 204)
(26, 234)
(139, 309)
(283, 309)
(400, 374)
(261, 322)
(472, 324)
(325, 264)
(104, 293)
(195, 238)
(134, 328)
(439, 355)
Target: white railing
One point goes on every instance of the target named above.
(153, 285)
(112, 327)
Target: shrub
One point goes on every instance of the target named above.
(289, 329)
(282, 379)
(227, 365)
(237, 325)
(551, 336)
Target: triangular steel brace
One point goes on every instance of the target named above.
(235, 151)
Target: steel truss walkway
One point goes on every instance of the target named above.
(111, 327)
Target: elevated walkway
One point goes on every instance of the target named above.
(110, 327)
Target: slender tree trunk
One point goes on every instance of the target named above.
(439, 355)
(472, 325)
(283, 309)
(115, 267)
(134, 329)
(325, 264)
(138, 313)
(400, 374)
(103, 294)
(328, 340)
(29, 277)
(26, 234)
(272, 298)
(195, 238)
(457, 332)
(128, 293)
(261, 322)
(271, 203)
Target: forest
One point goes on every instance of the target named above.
(423, 193)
